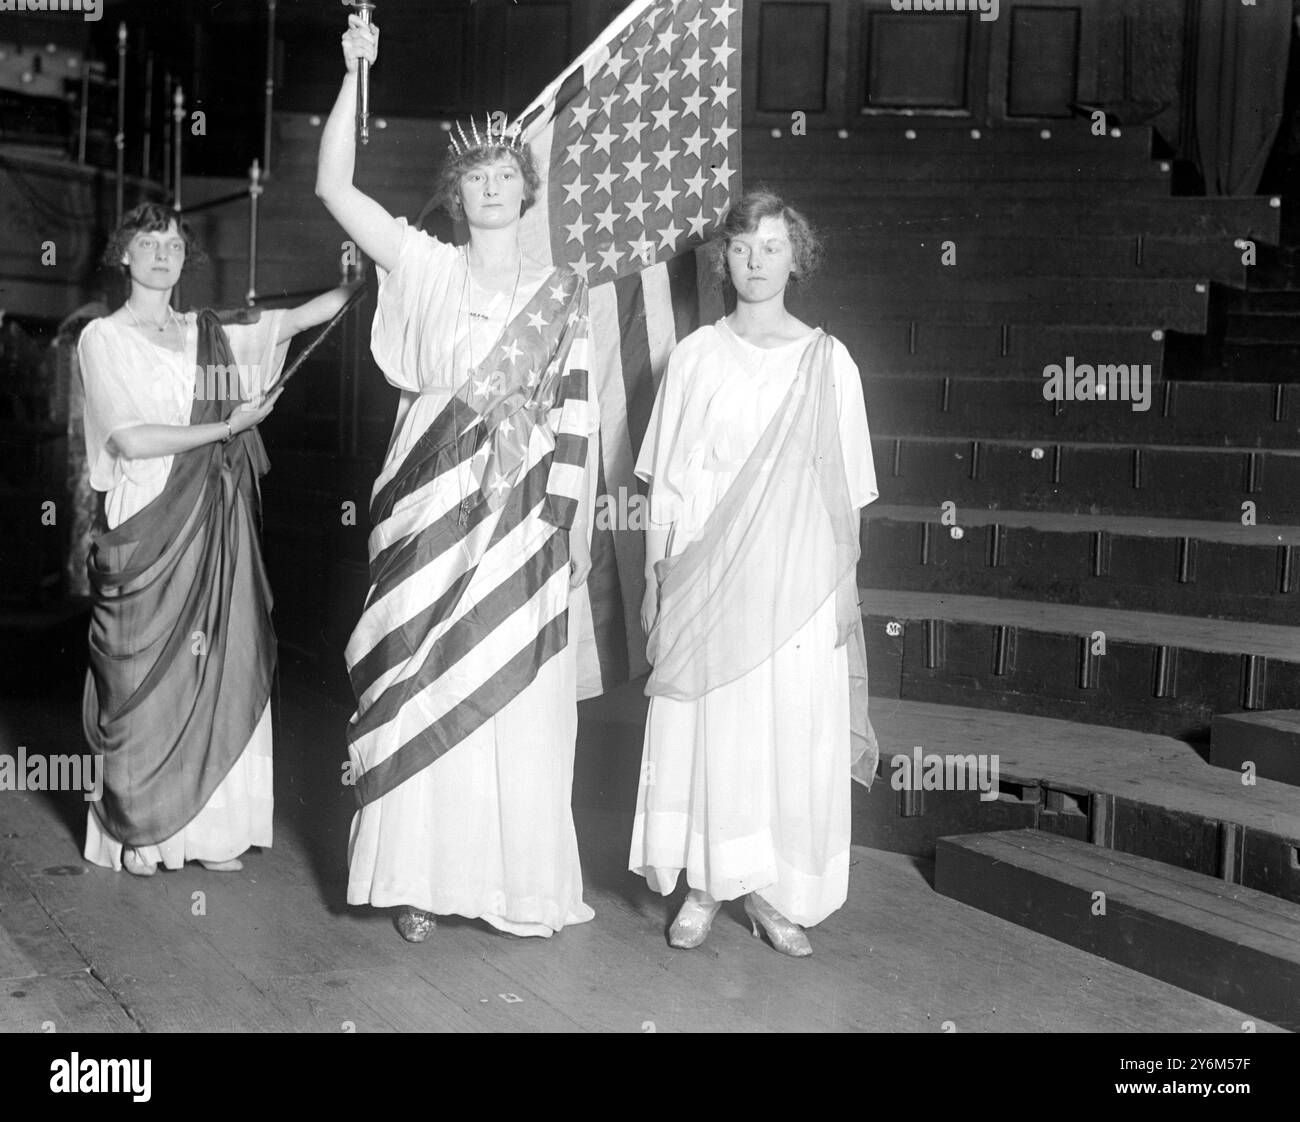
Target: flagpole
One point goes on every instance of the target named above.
(353, 298)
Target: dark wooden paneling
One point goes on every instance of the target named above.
(916, 61)
(794, 40)
(1031, 62)
(1270, 741)
(434, 79)
(537, 48)
(1043, 68)
(880, 821)
(423, 69)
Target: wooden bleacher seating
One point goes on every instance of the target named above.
(1226, 942)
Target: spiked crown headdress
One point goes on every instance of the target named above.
(503, 137)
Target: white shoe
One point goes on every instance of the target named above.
(136, 865)
(231, 866)
(695, 917)
(785, 936)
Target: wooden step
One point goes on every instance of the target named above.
(1257, 218)
(1226, 942)
(1189, 633)
(1270, 741)
(978, 351)
(1176, 304)
(1122, 257)
(1259, 362)
(1136, 563)
(1147, 671)
(1230, 414)
(1170, 482)
(1139, 526)
(1254, 299)
(1263, 327)
(1136, 792)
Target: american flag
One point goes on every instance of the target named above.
(639, 145)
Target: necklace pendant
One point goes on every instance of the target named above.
(463, 519)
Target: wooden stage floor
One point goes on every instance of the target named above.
(277, 949)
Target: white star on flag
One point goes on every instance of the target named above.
(639, 150)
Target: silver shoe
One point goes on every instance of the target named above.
(694, 918)
(415, 925)
(785, 936)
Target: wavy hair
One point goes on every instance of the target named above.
(150, 218)
(744, 216)
(448, 186)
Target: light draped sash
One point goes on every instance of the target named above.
(783, 538)
(182, 651)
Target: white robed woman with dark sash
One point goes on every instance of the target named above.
(181, 646)
(463, 741)
(759, 462)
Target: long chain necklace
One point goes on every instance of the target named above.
(166, 323)
(467, 305)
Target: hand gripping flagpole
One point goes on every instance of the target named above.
(366, 11)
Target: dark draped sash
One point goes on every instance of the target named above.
(182, 650)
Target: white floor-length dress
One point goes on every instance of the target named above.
(747, 787)
(131, 380)
(486, 830)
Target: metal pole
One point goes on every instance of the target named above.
(352, 356)
(254, 193)
(166, 134)
(366, 10)
(86, 65)
(270, 88)
(178, 120)
(147, 152)
(120, 139)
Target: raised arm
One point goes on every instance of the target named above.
(375, 231)
(316, 311)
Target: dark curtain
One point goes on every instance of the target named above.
(1240, 85)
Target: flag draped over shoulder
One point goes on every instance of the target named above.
(455, 627)
(639, 145)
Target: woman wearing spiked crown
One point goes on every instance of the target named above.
(463, 740)
(759, 462)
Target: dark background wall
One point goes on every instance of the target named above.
(842, 62)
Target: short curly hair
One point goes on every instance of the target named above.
(150, 218)
(744, 216)
(448, 189)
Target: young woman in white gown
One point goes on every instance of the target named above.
(759, 461)
(181, 646)
(463, 740)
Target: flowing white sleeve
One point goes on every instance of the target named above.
(659, 461)
(118, 395)
(406, 337)
(258, 354)
(855, 436)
